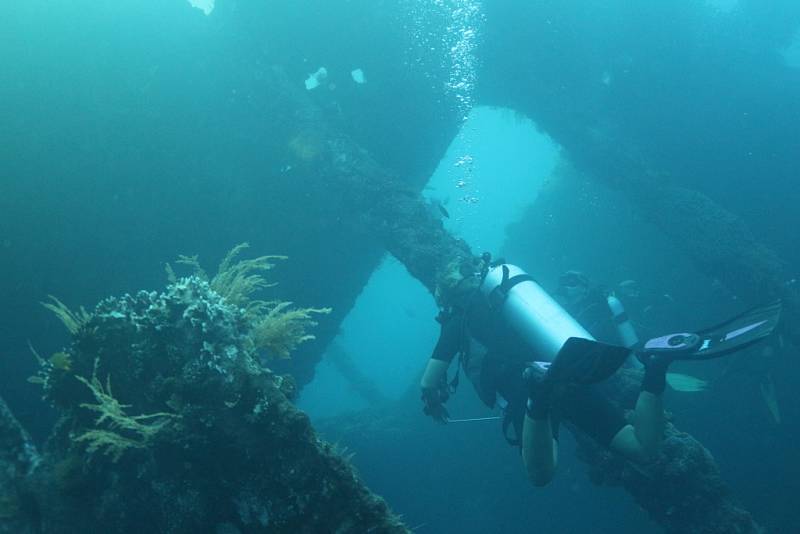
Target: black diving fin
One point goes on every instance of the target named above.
(583, 361)
(730, 336)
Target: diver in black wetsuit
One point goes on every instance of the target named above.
(517, 343)
(597, 309)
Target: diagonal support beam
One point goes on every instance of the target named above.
(387, 209)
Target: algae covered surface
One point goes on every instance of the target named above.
(169, 420)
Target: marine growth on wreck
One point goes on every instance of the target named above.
(171, 421)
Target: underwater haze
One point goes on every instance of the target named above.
(368, 152)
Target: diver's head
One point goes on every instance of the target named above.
(629, 289)
(459, 281)
(573, 286)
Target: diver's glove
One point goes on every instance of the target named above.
(540, 393)
(433, 400)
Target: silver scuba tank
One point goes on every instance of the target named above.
(625, 329)
(627, 333)
(531, 312)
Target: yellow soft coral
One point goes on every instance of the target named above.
(74, 321)
(111, 440)
(275, 328)
(235, 281)
(280, 331)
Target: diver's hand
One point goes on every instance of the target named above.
(433, 400)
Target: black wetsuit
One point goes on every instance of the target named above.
(495, 365)
(593, 313)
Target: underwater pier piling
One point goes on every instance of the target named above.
(684, 492)
(387, 209)
(418, 240)
(601, 140)
(720, 245)
(206, 440)
(379, 198)
(399, 217)
(360, 383)
(682, 489)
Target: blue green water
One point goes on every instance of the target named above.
(134, 131)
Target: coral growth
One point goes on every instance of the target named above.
(682, 489)
(235, 281)
(73, 321)
(18, 458)
(276, 327)
(281, 330)
(218, 447)
(123, 431)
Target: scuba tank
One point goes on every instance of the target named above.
(536, 316)
(625, 329)
(627, 334)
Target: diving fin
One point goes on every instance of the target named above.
(584, 361)
(730, 336)
(686, 383)
(770, 398)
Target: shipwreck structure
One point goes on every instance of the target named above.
(205, 393)
(207, 440)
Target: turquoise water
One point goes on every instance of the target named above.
(135, 131)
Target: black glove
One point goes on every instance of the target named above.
(433, 400)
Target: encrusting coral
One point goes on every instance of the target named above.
(218, 442)
(277, 328)
(235, 281)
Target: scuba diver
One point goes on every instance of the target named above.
(521, 349)
(596, 308)
(603, 314)
(608, 313)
